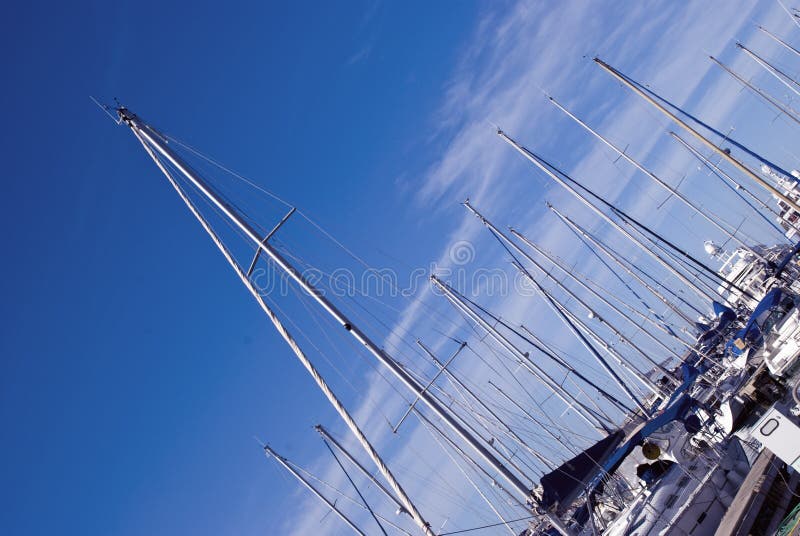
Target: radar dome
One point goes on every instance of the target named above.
(712, 249)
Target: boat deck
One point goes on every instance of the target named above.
(765, 497)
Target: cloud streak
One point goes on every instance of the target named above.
(517, 52)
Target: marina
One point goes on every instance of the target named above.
(515, 268)
(692, 441)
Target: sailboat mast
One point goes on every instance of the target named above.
(708, 143)
(510, 431)
(325, 434)
(761, 93)
(435, 433)
(780, 41)
(569, 292)
(582, 232)
(286, 465)
(733, 184)
(658, 321)
(782, 77)
(524, 359)
(574, 277)
(537, 161)
(542, 347)
(146, 133)
(501, 449)
(534, 340)
(558, 310)
(465, 455)
(428, 385)
(355, 487)
(525, 412)
(658, 180)
(552, 518)
(610, 350)
(792, 16)
(699, 122)
(676, 253)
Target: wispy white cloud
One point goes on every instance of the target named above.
(361, 55)
(516, 52)
(368, 30)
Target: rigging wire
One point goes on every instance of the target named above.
(378, 320)
(342, 494)
(378, 406)
(358, 491)
(274, 196)
(354, 290)
(461, 469)
(228, 256)
(473, 529)
(312, 222)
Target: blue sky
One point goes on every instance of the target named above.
(135, 369)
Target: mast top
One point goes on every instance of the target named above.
(126, 116)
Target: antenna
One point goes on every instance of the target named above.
(106, 109)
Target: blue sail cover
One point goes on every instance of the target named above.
(751, 332)
(713, 336)
(720, 309)
(585, 471)
(770, 299)
(680, 408)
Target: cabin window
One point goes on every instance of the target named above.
(772, 319)
(775, 314)
(768, 427)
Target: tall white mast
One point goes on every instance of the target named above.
(734, 185)
(585, 234)
(610, 350)
(151, 139)
(655, 178)
(782, 77)
(389, 495)
(566, 444)
(792, 16)
(779, 40)
(433, 431)
(549, 464)
(535, 160)
(730, 159)
(147, 136)
(569, 292)
(575, 277)
(760, 92)
(586, 413)
(286, 465)
(428, 385)
(460, 385)
(560, 313)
